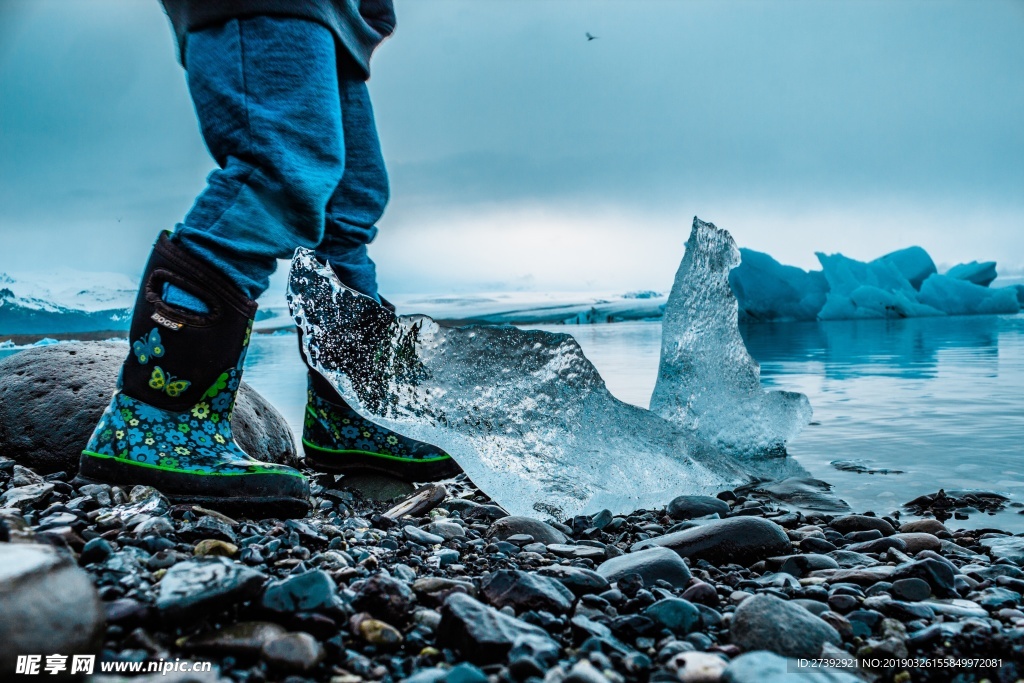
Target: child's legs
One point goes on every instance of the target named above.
(266, 94)
(359, 199)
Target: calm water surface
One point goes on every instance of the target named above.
(939, 398)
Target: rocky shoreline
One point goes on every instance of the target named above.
(443, 585)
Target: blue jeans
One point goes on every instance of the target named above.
(299, 159)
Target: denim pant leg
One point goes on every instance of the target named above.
(359, 199)
(265, 91)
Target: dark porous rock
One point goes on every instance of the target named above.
(204, 584)
(577, 579)
(293, 652)
(384, 597)
(652, 564)
(483, 635)
(938, 574)
(678, 616)
(766, 667)
(75, 382)
(765, 622)
(524, 591)
(850, 523)
(737, 540)
(541, 531)
(309, 591)
(688, 507)
(47, 604)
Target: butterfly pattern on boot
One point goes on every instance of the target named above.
(194, 441)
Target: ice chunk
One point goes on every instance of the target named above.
(979, 273)
(869, 290)
(769, 291)
(527, 415)
(913, 263)
(707, 382)
(960, 297)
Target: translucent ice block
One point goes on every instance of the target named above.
(525, 413)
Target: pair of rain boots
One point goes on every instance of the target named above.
(168, 424)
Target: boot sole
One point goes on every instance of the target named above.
(355, 462)
(259, 502)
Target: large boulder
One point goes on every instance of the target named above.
(736, 540)
(51, 398)
(47, 604)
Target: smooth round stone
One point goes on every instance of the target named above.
(698, 667)
(842, 603)
(418, 535)
(701, 593)
(765, 622)
(311, 590)
(577, 579)
(576, 551)
(689, 507)
(384, 597)
(520, 539)
(652, 565)
(446, 530)
(767, 667)
(738, 540)
(911, 590)
(813, 606)
(542, 532)
(918, 541)
(47, 604)
(293, 651)
(678, 616)
(848, 523)
(939, 575)
(924, 526)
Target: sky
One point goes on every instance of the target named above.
(523, 156)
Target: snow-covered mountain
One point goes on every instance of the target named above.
(65, 300)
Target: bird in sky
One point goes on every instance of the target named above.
(591, 37)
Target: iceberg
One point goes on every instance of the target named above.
(962, 297)
(530, 419)
(913, 263)
(983, 273)
(902, 284)
(769, 291)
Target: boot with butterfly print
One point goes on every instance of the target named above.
(168, 424)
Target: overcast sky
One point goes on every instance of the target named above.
(524, 156)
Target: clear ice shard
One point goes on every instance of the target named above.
(707, 381)
(530, 419)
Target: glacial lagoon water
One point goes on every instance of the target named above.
(941, 399)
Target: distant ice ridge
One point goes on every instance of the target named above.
(65, 300)
(903, 284)
(528, 416)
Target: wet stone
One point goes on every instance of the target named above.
(293, 652)
(653, 565)
(577, 579)
(911, 590)
(484, 634)
(417, 535)
(765, 622)
(541, 532)
(310, 591)
(576, 551)
(689, 507)
(678, 616)
(205, 584)
(446, 530)
(384, 597)
(526, 591)
(739, 540)
(850, 523)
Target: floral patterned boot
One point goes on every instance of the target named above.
(336, 439)
(168, 424)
